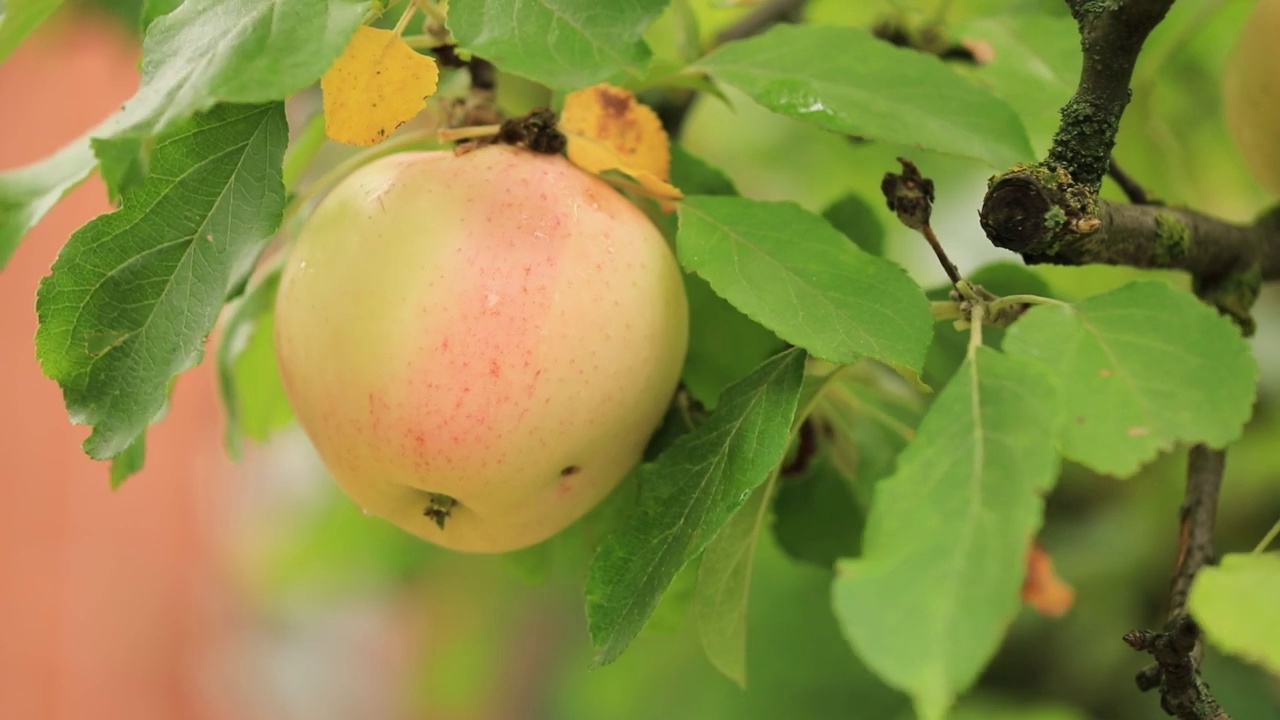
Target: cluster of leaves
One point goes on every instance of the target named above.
(927, 514)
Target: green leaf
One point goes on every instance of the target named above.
(1145, 366)
(129, 462)
(724, 344)
(224, 51)
(947, 351)
(1035, 64)
(248, 376)
(18, 18)
(1235, 604)
(153, 10)
(852, 216)
(845, 80)
(563, 44)
(27, 193)
(793, 273)
(871, 413)
(695, 176)
(724, 580)
(123, 162)
(816, 517)
(134, 293)
(945, 548)
(686, 496)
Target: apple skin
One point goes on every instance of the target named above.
(499, 327)
(1251, 94)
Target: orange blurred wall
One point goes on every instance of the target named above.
(112, 605)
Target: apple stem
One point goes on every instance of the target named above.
(467, 133)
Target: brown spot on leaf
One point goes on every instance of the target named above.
(614, 101)
(1138, 431)
(1104, 372)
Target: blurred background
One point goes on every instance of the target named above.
(210, 590)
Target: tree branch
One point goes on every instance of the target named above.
(1111, 36)
(1177, 649)
(1130, 186)
(764, 16)
(674, 107)
(1046, 218)
(1050, 212)
(1205, 468)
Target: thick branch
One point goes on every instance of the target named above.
(1036, 214)
(1047, 218)
(1050, 213)
(1111, 36)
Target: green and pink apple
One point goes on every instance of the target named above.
(480, 345)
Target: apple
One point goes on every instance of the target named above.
(1251, 94)
(479, 346)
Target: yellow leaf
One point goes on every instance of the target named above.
(607, 129)
(374, 87)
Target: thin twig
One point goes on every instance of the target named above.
(953, 273)
(1183, 693)
(1178, 648)
(910, 195)
(1266, 539)
(1130, 186)
(676, 108)
(1205, 467)
(765, 16)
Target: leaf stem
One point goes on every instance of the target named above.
(446, 135)
(1266, 540)
(432, 10)
(403, 22)
(424, 41)
(945, 310)
(1002, 302)
(975, 331)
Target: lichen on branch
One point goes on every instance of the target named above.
(1051, 213)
